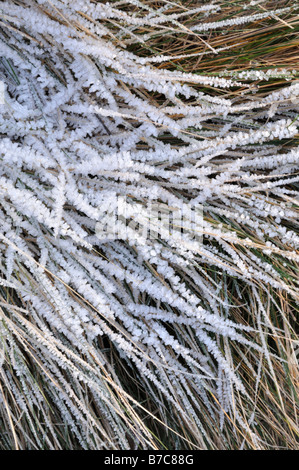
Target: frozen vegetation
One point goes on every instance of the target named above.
(147, 342)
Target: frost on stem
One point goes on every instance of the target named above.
(79, 131)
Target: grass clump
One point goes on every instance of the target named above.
(180, 340)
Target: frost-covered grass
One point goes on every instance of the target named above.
(149, 343)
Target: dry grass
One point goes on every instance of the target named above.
(145, 416)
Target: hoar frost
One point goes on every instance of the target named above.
(78, 133)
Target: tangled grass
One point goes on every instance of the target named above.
(149, 343)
